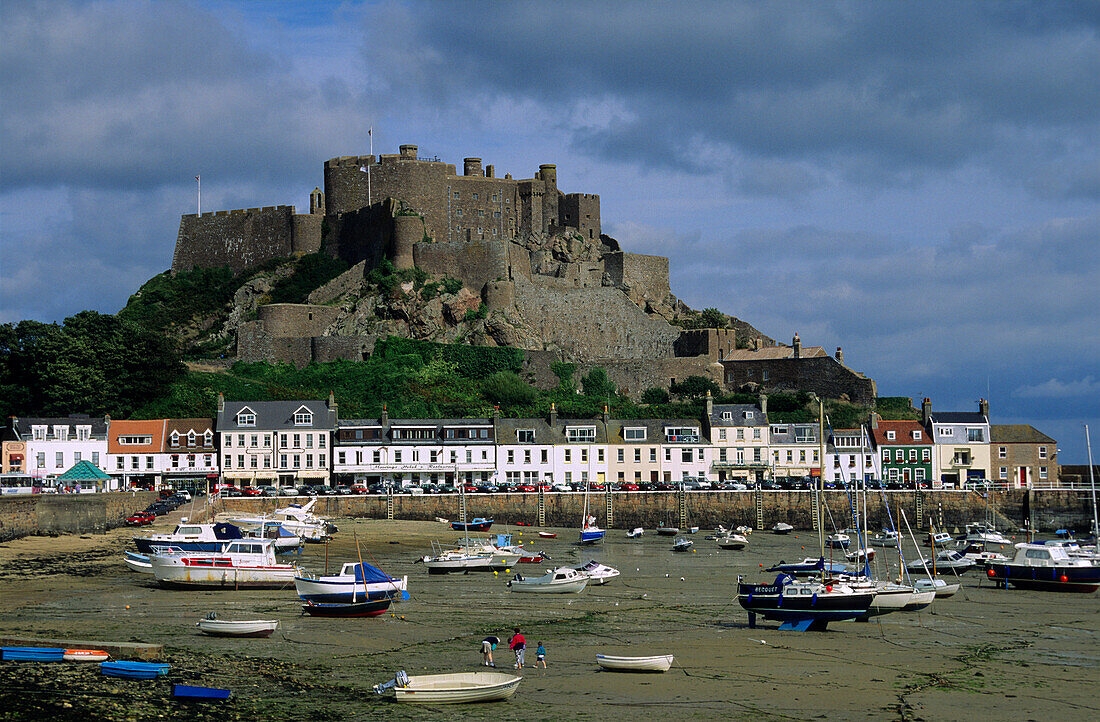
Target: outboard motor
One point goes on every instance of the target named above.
(399, 680)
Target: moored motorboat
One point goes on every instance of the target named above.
(191, 538)
(985, 534)
(938, 539)
(1046, 568)
(597, 573)
(443, 561)
(682, 545)
(859, 556)
(839, 540)
(354, 583)
(297, 519)
(802, 605)
(635, 533)
(809, 565)
(948, 559)
(941, 587)
(885, 538)
(454, 688)
(656, 663)
(782, 527)
(140, 562)
(562, 580)
(477, 524)
(731, 540)
(242, 563)
(236, 627)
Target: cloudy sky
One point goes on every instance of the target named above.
(918, 183)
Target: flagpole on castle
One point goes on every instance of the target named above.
(198, 208)
(370, 134)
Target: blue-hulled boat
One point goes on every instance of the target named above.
(372, 608)
(478, 524)
(191, 538)
(31, 654)
(808, 565)
(183, 691)
(802, 605)
(1046, 568)
(134, 670)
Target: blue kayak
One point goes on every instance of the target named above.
(31, 654)
(134, 670)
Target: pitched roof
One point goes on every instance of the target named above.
(83, 471)
(958, 417)
(22, 425)
(903, 433)
(737, 412)
(1017, 434)
(153, 428)
(276, 415)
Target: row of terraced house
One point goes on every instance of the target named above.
(294, 443)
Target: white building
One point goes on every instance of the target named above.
(56, 444)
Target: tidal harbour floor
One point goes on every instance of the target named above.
(986, 653)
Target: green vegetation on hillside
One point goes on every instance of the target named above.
(310, 272)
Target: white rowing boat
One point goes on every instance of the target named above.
(454, 688)
(237, 628)
(658, 663)
(562, 580)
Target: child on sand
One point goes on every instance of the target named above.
(517, 644)
(540, 656)
(487, 646)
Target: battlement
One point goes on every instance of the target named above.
(241, 211)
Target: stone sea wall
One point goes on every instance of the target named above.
(26, 515)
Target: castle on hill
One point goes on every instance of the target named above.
(532, 260)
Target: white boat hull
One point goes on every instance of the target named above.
(320, 588)
(532, 586)
(458, 688)
(231, 628)
(659, 663)
(175, 572)
(941, 588)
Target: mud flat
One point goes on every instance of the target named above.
(984, 654)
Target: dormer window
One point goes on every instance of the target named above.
(635, 434)
(208, 438)
(580, 434)
(727, 416)
(303, 417)
(890, 436)
(191, 438)
(174, 439)
(61, 433)
(246, 417)
(83, 433)
(749, 415)
(525, 436)
(916, 436)
(946, 431)
(38, 433)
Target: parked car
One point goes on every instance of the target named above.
(665, 486)
(359, 489)
(343, 490)
(268, 491)
(630, 486)
(251, 491)
(141, 518)
(527, 488)
(288, 491)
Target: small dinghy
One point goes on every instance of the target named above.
(548, 535)
(658, 663)
(886, 538)
(942, 588)
(635, 533)
(478, 524)
(782, 527)
(860, 556)
(372, 608)
(666, 530)
(682, 545)
(134, 670)
(236, 628)
(86, 655)
(32, 654)
(183, 691)
(559, 581)
(454, 688)
(597, 573)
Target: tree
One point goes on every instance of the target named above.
(654, 395)
(694, 387)
(596, 384)
(508, 389)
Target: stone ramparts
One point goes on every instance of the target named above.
(26, 515)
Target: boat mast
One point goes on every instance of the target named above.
(1092, 484)
(820, 476)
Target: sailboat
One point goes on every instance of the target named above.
(590, 533)
(465, 558)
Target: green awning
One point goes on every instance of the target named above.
(84, 471)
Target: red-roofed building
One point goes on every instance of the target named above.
(904, 449)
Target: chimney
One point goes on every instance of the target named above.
(764, 405)
(331, 400)
(797, 344)
(710, 405)
(385, 415)
(490, 171)
(983, 407)
(221, 402)
(409, 152)
(553, 414)
(606, 415)
(926, 411)
(874, 420)
(839, 355)
(496, 413)
(471, 166)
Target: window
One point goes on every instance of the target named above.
(721, 434)
(149, 462)
(227, 462)
(512, 456)
(1042, 452)
(240, 440)
(526, 456)
(741, 435)
(544, 456)
(246, 418)
(885, 454)
(974, 435)
(634, 434)
(756, 434)
(637, 456)
(912, 454)
(253, 461)
(227, 442)
(309, 461)
(756, 455)
(376, 456)
(207, 460)
(1002, 452)
(240, 461)
(59, 459)
(916, 435)
(253, 441)
(134, 440)
(475, 196)
(801, 456)
(727, 416)
(303, 418)
(918, 474)
(76, 457)
(946, 431)
(95, 458)
(1004, 472)
(282, 461)
(176, 461)
(41, 459)
(599, 456)
(1042, 472)
(620, 455)
(208, 438)
(120, 462)
(700, 454)
(890, 436)
(686, 434)
(652, 454)
(525, 436)
(297, 441)
(584, 456)
(580, 434)
(39, 433)
(309, 441)
(568, 456)
(341, 457)
(668, 454)
(297, 461)
(685, 455)
(321, 460)
(456, 195)
(321, 442)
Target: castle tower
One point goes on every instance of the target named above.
(471, 167)
(407, 230)
(317, 202)
(548, 174)
(797, 345)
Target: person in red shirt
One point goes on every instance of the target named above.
(517, 644)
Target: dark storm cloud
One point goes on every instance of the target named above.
(136, 94)
(886, 89)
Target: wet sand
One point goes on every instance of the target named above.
(985, 653)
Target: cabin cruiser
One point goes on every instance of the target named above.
(504, 553)
(597, 573)
(802, 604)
(240, 563)
(557, 581)
(1048, 568)
(985, 534)
(354, 583)
(948, 559)
(191, 538)
(298, 519)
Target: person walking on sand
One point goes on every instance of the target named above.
(487, 646)
(540, 656)
(517, 644)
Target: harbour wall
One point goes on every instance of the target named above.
(52, 514)
(1050, 510)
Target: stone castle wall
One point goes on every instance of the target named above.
(242, 239)
(714, 343)
(823, 375)
(475, 263)
(643, 277)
